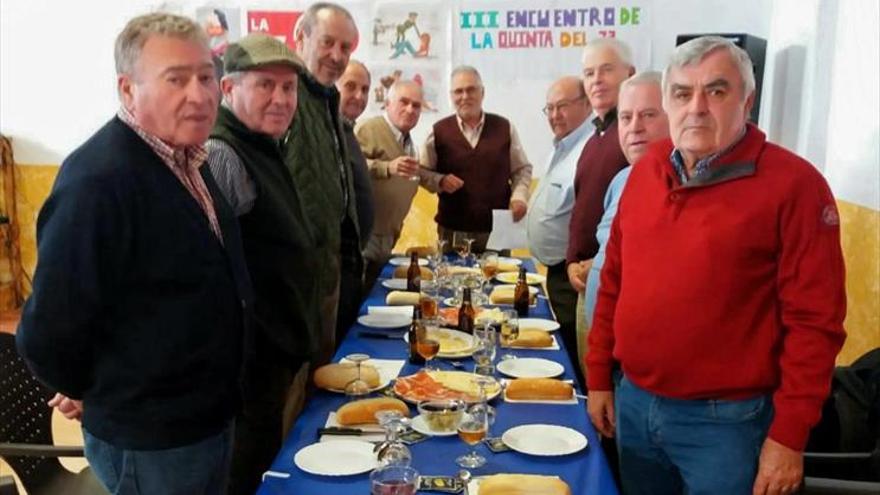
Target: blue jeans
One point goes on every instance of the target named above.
(198, 468)
(670, 446)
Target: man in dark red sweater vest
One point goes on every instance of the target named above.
(722, 296)
(606, 63)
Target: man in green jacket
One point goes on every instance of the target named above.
(317, 155)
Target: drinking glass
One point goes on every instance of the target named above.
(428, 346)
(472, 430)
(357, 388)
(392, 452)
(429, 299)
(461, 243)
(486, 340)
(394, 480)
(509, 330)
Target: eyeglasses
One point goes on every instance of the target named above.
(562, 105)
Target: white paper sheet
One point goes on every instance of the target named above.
(507, 234)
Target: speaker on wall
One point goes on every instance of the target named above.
(754, 46)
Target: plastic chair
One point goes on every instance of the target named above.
(26, 432)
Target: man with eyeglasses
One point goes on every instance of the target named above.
(475, 162)
(607, 62)
(550, 208)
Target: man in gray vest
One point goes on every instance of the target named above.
(246, 155)
(475, 162)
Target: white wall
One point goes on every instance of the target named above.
(57, 79)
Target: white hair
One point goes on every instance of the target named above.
(619, 47)
(466, 69)
(695, 50)
(392, 91)
(641, 78)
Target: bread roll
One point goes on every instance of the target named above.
(504, 295)
(532, 337)
(335, 376)
(400, 272)
(402, 298)
(422, 251)
(539, 389)
(523, 484)
(508, 267)
(364, 411)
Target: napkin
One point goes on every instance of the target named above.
(390, 310)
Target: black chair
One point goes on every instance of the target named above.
(26, 432)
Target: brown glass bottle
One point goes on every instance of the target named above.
(466, 313)
(414, 274)
(521, 294)
(415, 331)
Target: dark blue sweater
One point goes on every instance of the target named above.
(137, 309)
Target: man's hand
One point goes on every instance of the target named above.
(404, 166)
(600, 406)
(780, 469)
(71, 409)
(450, 183)
(577, 274)
(518, 209)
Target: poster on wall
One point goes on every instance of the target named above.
(274, 22)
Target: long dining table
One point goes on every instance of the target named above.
(586, 471)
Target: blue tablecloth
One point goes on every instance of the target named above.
(586, 471)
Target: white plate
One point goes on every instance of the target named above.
(418, 423)
(539, 323)
(448, 332)
(337, 458)
(394, 284)
(509, 261)
(384, 320)
(404, 261)
(512, 277)
(544, 440)
(530, 368)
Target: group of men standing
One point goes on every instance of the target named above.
(202, 295)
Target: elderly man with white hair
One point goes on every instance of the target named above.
(722, 296)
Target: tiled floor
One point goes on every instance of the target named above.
(65, 432)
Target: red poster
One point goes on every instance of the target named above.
(277, 23)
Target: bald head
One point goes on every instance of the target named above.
(567, 106)
(353, 86)
(404, 105)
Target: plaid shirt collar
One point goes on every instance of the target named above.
(192, 156)
(703, 164)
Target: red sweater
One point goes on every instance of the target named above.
(729, 287)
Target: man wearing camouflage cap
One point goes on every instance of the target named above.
(246, 155)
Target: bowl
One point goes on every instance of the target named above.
(442, 415)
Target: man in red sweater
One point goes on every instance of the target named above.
(722, 296)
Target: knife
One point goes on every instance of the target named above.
(379, 335)
(338, 430)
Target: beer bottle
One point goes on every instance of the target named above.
(414, 274)
(466, 313)
(415, 331)
(521, 294)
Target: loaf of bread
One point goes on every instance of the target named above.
(364, 411)
(503, 294)
(508, 267)
(335, 376)
(422, 251)
(400, 272)
(402, 298)
(523, 484)
(539, 389)
(532, 337)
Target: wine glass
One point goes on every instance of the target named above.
(489, 267)
(357, 388)
(461, 243)
(509, 330)
(394, 480)
(472, 430)
(428, 346)
(437, 257)
(392, 452)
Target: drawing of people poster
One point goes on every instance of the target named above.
(223, 26)
(406, 31)
(384, 74)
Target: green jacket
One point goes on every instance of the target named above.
(317, 156)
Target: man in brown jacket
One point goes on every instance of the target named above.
(394, 170)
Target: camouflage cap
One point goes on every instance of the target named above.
(258, 50)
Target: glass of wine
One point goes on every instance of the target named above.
(357, 388)
(394, 480)
(472, 430)
(509, 330)
(428, 346)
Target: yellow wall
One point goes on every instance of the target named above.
(860, 228)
